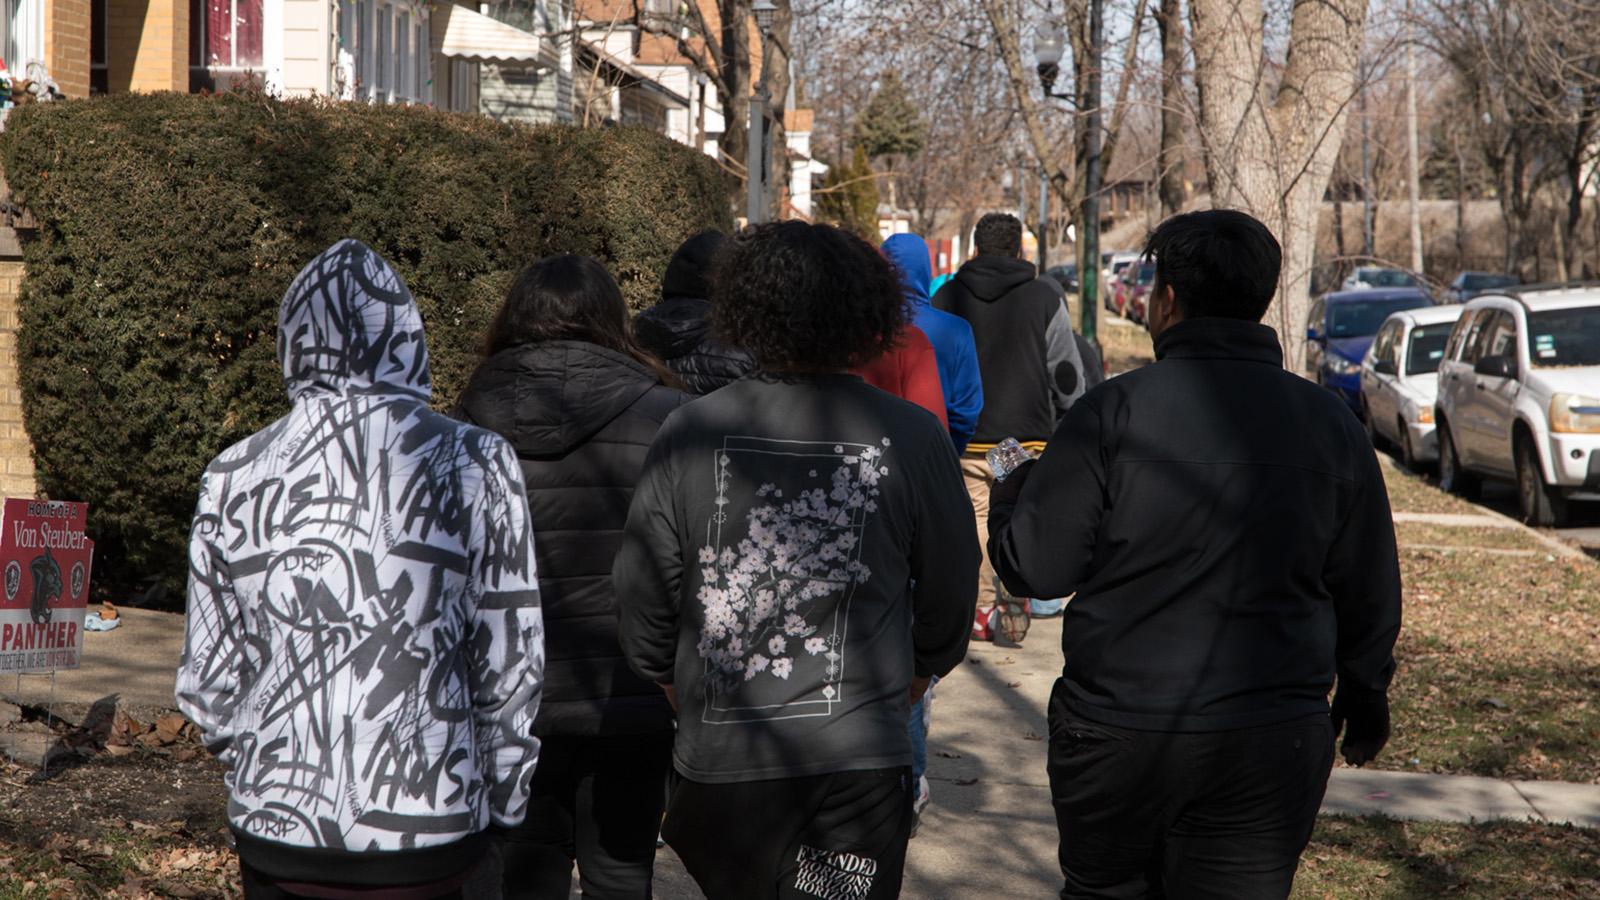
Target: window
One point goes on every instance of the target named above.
(364, 49)
(385, 58)
(421, 89)
(225, 34)
(21, 34)
(403, 81)
(1565, 337)
(1426, 349)
(1480, 324)
(1501, 337)
(1355, 318)
(1383, 345)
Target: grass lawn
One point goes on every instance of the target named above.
(1361, 858)
(1499, 656)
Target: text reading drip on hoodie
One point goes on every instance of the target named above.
(581, 419)
(678, 329)
(1031, 368)
(365, 645)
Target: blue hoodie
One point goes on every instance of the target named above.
(950, 335)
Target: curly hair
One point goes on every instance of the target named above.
(806, 297)
(998, 234)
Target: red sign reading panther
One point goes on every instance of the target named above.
(44, 584)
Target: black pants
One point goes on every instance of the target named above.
(837, 837)
(596, 801)
(259, 886)
(1149, 815)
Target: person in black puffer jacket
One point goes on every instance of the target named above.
(567, 386)
(678, 329)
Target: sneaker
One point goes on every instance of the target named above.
(983, 624)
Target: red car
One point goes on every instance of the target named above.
(1132, 289)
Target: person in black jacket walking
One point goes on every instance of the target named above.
(1226, 529)
(678, 329)
(566, 385)
(1031, 368)
(798, 564)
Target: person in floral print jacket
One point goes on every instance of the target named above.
(798, 562)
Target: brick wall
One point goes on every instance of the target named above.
(16, 453)
(147, 45)
(66, 45)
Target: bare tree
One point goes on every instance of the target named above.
(1170, 160)
(1271, 131)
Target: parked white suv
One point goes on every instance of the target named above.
(1519, 398)
(1400, 381)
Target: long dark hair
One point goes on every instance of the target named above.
(568, 298)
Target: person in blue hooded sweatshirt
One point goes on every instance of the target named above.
(956, 356)
(951, 336)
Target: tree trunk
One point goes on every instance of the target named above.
(775, 63)
(1271, 152)
(1170, 158)
(736, 86)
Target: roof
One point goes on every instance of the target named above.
(1547, 296)
(629, 76)
(462, 33)
(1431, 315)
(1379, 294)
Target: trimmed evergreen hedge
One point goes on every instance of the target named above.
(170, 226)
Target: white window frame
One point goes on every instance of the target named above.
(402, 55)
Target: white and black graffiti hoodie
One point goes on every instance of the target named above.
(365, 644)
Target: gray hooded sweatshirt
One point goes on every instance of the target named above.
(365, 644)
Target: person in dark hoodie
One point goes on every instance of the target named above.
(364, 641)
(678, 329)
(797, 564)
(567, 386)
(951, 336)
(1032, 371)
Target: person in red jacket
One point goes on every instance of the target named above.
(909, 371)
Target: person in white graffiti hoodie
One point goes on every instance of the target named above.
(365, 642)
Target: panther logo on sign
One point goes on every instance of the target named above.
(77, 581)
(13, 580)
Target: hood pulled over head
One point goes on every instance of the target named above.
(348, 325)
(909, 254)
(688, 273)
(991, 277)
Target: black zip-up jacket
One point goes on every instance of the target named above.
(1226, 529)
(581, 419)
(1029, 362)
(678, 329)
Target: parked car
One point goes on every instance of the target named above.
(1115, 264)
(1339, 332)
(1065, 275)
(1400, 381)
(1139, 280)
(1368, 277)
(1467, 285)
(1519, 398)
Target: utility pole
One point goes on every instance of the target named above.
(755, 156)
(1089, 278)
(1414, 176)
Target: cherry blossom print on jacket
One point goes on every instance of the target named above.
(365, 643)
(798, 549)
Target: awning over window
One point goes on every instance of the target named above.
(462, 33)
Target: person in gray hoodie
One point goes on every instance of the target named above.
(365, 644)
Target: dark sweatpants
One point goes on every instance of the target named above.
(840, 836)
(596, 801)
(1147, 814)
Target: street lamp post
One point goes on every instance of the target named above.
(755, 156)
(1048, 47)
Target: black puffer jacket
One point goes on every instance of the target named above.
(580, 418)
(678, 329)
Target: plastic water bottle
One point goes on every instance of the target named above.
(1006, 457)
